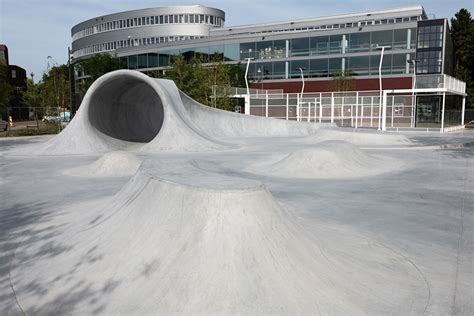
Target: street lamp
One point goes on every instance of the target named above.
(413, 62)
(247, 105)
(302, 80)
(71, 82)
(301, 95)
(377, 46)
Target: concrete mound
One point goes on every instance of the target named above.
(127, 110)
(329, 159)
(112, 164)
(228, 124)
(166, 248)
(359, 138)
(163, 247)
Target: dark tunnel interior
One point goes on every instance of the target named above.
(126, 108)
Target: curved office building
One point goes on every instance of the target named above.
(143, 27)
(148, 39)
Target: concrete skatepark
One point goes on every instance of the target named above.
(150, 203)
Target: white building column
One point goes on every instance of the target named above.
(357, 109)
(384, 111)
(463, 109)
(442, 112)
(247, 104)
(332, 107)
(266, 103)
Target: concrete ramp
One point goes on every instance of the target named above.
(327, 160)
(127, 110)
(170, 245)
(131, 111)
(228, 124)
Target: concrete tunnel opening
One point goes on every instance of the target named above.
(126, 108)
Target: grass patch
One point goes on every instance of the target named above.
(43, 130)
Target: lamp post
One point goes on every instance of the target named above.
(413, 100)
(247, 99)
(302, 80)
(71, 82)
(300, 101)
(377, 46)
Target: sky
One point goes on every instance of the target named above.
(36, 29)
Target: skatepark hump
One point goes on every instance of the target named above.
(162, 245)
(127, 110)
(164, 206)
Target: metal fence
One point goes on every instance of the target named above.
(36, 113)
(354, 109)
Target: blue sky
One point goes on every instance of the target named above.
(35, 29)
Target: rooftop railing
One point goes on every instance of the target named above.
(440, 81)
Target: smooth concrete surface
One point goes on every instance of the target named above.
(322, 220)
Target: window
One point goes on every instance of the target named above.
(247, 50)
(279, 49)
(400, 39)
(294, 68)
(382, 38)
(359, 42)
(335, 44)
(13, 74)
(359, 66)
(299, 46)
(264, 50)
(279, 70)
(142, 61)
(319, 45)
(231, 52)
(318, 68)
(399, 63)
(263, 71)
(132, 62)
(335, 65)
(375, 63)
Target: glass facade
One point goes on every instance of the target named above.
(430, 40)
(281, 59)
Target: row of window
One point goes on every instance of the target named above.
(429, 62)
(110, 46)
(150, 20)
(339, 25)
(305, 46)
(430, 36)
(313, 68)
(334, 44)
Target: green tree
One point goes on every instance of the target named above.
(96, 66)
(218, 75)
(6, 90)
(57, 85)
(32, 96)
(462, 33)
(197, 80)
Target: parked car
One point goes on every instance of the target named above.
(3, 125)
(52, 119)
